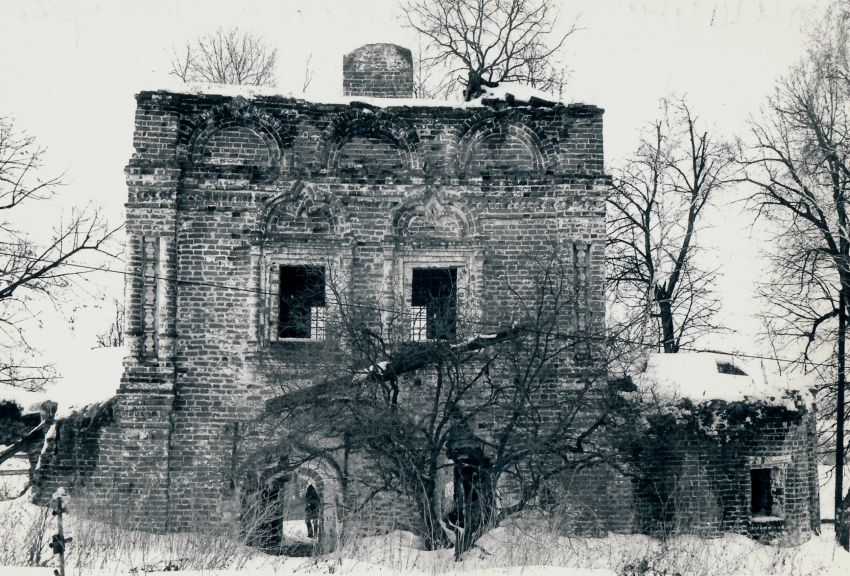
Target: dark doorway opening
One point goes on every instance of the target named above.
(282, 517)
(761, 503)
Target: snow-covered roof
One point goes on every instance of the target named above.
(704, 376)
(515, 93)
(87, 378)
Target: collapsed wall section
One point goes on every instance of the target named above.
(727, 467)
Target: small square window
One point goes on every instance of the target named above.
(761, 503)
(434, 304)
(302, 302)
(729, 368)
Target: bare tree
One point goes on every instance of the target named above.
(799, 162)
(309, 72)
(114, 335)
(484, 42)
(801, 293)
(657, 288)
(226, 56)
(430, 80)
(32, 272)
(490, 408)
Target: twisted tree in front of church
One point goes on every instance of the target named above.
(503, 407)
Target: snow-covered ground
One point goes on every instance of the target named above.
(527, 546)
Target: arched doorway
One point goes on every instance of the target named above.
(302, 526)
(291, 512)
(262, 512)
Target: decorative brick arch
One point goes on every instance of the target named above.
(383, 144)
(237, 135)
(328, 485)
(502, 143)
(305, 209)
(274, 474)
(432, 213)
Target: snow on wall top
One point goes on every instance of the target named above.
(505, 92)
(386, 56)
(88, 378)
(703, 376)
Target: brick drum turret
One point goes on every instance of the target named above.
(378, 70)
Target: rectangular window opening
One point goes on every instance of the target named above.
(762, 493)
(302, 302)
(434, 304)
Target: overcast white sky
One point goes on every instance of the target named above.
(69, 69)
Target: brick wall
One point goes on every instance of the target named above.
(223, 189)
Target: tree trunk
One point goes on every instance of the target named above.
(665, 310)
(474, 85)
(430, 516)
(842, 534)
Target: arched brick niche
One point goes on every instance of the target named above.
(501, 145)
(431, 215)
(235, 145)
(237, 139)
(306, 209)
(307, 229)
(432, 234)
(366, 143)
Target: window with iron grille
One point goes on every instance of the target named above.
(418, 323)
(302, 302)
(433, 304)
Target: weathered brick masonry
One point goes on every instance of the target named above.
(697, 470)
(379, 70)
(224, 191)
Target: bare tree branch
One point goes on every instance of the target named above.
(410, 409)
(656, 286)
(227, 56)
(798, 161)
(114, 335)
(482, 43)
(33, 273)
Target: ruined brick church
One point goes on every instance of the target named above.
(250, 219)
